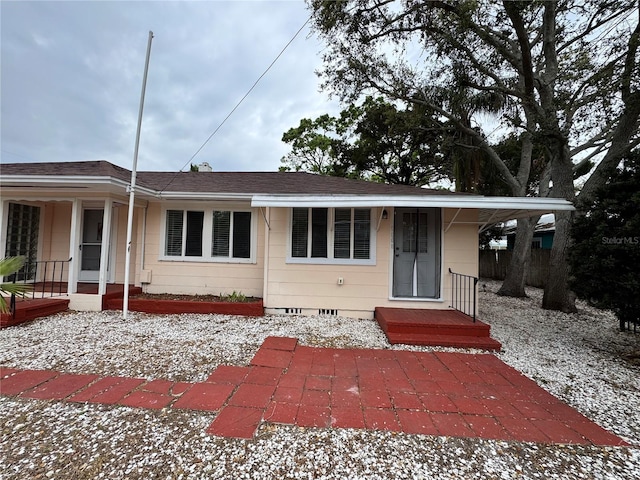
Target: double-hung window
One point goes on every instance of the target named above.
(331, 235)
(209, 235)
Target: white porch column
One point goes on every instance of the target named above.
(74, 246)
(4, 225)
(104, 250)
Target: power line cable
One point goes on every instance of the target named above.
(238, 104)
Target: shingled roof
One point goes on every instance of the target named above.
(269, 189)
(220, 182)
(94, 168)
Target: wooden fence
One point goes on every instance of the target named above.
(494, 264)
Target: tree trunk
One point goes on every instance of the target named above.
(557, 295)
(513, 285)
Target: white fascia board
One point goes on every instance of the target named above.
(72, 181)
(60, 179)
(206, 196)
(444, 201)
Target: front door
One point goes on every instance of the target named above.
(416, 245)
(91, 245)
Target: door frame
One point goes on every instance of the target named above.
(111, 255)
(392, 236)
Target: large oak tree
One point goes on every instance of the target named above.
(562, 74)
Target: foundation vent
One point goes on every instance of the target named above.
(328, 311)
(295, 311)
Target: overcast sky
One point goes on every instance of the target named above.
(72, 74)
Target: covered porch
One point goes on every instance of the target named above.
(72, 246)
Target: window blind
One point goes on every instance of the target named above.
(221, 232)
(173, 245)
(342, 233)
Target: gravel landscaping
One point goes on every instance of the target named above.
(581, 358)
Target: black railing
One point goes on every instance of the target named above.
(463, 293)
(46, 277)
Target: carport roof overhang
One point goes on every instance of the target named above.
(490, 209)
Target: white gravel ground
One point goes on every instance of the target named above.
(579, 358)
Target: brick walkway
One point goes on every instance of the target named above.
(451, 394)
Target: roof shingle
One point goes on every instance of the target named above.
(221, 182)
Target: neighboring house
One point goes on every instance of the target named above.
(304, 243)
(542, 236)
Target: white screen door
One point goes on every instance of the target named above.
(91, 245)
(416, 245)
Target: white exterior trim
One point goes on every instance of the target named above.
(205, 196)
(445, 201)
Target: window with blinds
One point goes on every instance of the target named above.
(361, 233)
(342, 233)
(332, 234)
(221, 234)
(227, 236)
(173, 244)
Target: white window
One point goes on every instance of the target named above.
(209, 235)
(332, 235)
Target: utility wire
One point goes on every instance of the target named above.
(239, 103)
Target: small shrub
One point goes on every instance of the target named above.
(235, 297)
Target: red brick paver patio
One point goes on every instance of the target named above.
(435, 393)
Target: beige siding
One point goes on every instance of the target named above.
(56, 231)
(168, 276)
(315, 286)
(119, 242)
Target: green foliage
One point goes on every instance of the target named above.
(605, 258)
(9, 266)
(235, 297)
(375, 140)
(485, 237)
(194, 168)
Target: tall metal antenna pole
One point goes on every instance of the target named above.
(132, 187)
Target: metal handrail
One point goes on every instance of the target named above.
(463, 293)
(46, 276)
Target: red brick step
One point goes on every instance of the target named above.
(455, 341)
(444, 328)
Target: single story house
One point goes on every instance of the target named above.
(304, 243)
(542, 236)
